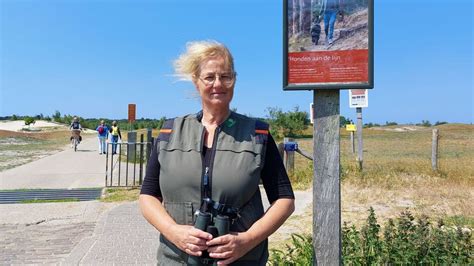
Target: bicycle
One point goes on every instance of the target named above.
(76, 133)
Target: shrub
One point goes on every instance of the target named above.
(343, 121)
(29, 120)
(300, 252)
(404, 241)
(369, 125)
(425, 123)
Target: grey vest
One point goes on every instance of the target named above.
(236, 163)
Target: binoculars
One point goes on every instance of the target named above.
(216, 226)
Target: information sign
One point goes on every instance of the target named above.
(327, 44)
(358, 98)
(351, 127)
(131, 112)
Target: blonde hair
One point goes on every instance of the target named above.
(188, 63)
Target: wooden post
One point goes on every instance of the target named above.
(281, 150)
(352, 142)
(131, 139)
(149, 145)
(289, 159)
(140, 176)
(359, 137)
(434, 150)
(326, 182)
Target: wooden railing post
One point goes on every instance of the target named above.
(434, 150)
(352, 142)
(289, 159)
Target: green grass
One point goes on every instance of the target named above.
(49, 201)
(120, 194)
(459, 220)
(20, 189)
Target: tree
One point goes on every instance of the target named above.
(440, 123)
(296, 17)
(287, 124)
(57, 116)
(425, 123)
(344, 121)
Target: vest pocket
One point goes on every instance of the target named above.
(242, 154)
(250, 213)
(169, 254)
(182, 212)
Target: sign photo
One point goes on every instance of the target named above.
(328, 44)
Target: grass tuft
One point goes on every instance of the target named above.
(120, 194)
(49, 201)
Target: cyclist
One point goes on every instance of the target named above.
(75, 125)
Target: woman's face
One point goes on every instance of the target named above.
(215, 83)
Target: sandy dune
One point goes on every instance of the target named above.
(17, 125)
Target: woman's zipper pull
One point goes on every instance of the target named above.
(206, 176)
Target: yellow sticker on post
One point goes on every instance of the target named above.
(351, 127)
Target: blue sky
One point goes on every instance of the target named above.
(93, 57)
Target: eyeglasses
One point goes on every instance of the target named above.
(227, 79)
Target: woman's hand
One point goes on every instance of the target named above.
(233, 246)
(229, 248)
(185, 237)
(189, 239)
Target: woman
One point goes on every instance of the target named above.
(103, 133)
(115, 133)
(216, 155)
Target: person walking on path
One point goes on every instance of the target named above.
(211, 164)
(115, 132)
(103, 134)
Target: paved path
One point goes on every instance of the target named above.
(121, 237)
(77, 233)
(66, 169)
(46, 232)
(83, 233)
